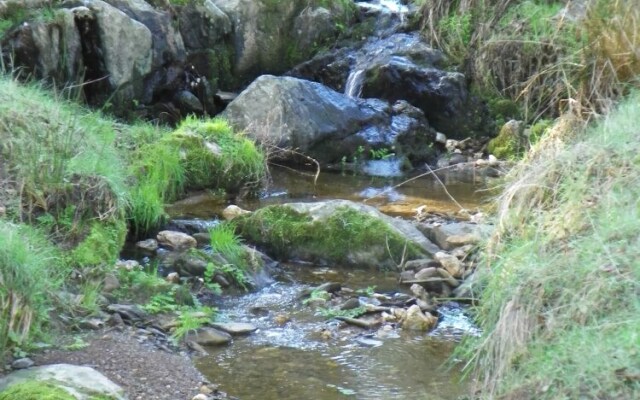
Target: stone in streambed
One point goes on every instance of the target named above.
(149, 245)
(176, 240)
(416, 320)
(235, 328)
(208, 337)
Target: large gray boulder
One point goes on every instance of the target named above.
(272, 36)
(306, 116)
(336, 232)
(83, 383)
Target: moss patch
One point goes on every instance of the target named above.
(101, 246)
(508, 144)
(347, 237)
(34, 390)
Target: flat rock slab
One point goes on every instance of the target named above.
(235, 328)
(209, 337)
(81, 382)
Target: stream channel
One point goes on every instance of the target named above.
(297, 353)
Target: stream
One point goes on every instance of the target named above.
(298, 353)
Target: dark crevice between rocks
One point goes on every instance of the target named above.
(96, 87)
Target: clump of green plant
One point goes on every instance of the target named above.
(559, 307)
(227, 243)
(30, 270)
(331, 313)
(214, 156)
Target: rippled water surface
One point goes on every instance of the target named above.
(310, 357)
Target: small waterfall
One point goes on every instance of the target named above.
(353, 87)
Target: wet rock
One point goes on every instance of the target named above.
(451, 264)
(209, 337)
(84, 381)
(416, 320)
(360, 322)
(233, 211)
(149, 245)
(202, 238)
(407, 276)
(176, 240)
(235, 328)
(324, 124)
(350, 304)
(22, 363)
(281, 319)
(329, 287)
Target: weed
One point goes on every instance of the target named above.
(331, 313)
(78, 344)
(190, 320)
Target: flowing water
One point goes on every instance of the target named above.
(310, 357)
(298, 354)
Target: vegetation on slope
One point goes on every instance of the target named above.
(560, 306)
(72, 182)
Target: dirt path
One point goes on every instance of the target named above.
(144, 371)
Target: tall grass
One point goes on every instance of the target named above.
(560, 306)
(30, 269)
(530, 51)
(56, 156)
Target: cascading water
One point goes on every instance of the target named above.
(388, 12)
(353, 87)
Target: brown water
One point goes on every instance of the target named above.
(390, 194)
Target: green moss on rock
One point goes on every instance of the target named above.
(34, 390)
(346, 237)
(509, 143)
(102, 244)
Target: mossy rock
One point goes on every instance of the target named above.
(34, 390)
(59, 382)
(214, 156)
(337, 232)
(509, 144)
(102, 245)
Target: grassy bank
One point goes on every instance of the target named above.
(560, 305)
(73, 182)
